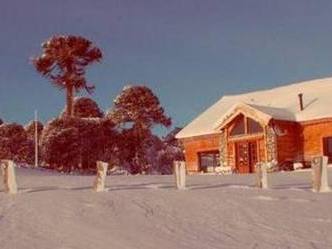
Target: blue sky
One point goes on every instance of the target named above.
(189, 52)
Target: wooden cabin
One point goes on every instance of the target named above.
(284, 125)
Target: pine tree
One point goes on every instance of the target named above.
(64, 60)
(136, 111)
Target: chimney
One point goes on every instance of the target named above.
(301, 101)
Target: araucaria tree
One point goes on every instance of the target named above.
(64, 60)
(136, 110)
(85, 108)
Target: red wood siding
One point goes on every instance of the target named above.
(288, 142)
(312, 135)
(194, 145)
(300, 141)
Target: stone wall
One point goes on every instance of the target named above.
(223, 151)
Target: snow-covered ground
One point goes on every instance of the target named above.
(54, 211)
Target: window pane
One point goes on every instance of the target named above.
(328, 148)
(329, 145)
(253, 126)
(209, 160)
(238, 129)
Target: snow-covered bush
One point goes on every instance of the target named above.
(172, 150)
(14, 143)
(77, 143)
(272, 166)
(167, 156)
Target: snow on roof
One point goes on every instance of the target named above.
(281, 103)
(275, 112)
(261, 113)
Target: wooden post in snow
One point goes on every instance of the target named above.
(179, 169)
(258, 175)
(99, 184)
(319, 174)
(261, 175)
(182, 175)
(325, 177)
(8, 174)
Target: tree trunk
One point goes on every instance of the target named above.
(70, 101)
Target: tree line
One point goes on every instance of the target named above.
(82, 133)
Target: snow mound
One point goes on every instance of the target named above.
(54, 211)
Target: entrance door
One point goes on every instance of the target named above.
(252, 156)
(246, 156)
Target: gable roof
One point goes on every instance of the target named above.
(280, 103)
(262, 114)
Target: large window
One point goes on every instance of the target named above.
(327, 145)
(241, 127)
(253, 126)
(208, 160)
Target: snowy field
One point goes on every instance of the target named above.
(55, 211)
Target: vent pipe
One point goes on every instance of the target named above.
(301, 101)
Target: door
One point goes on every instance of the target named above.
(253, 159)
(242, 157)
(246, 156)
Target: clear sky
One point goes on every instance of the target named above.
(189, 52)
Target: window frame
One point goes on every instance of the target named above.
(216, 159)
(246, 120)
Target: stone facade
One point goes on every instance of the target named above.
(271, 144)
(223, 149)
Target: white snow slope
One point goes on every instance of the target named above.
(55, 211)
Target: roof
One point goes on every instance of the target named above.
(259, 113)
(281, 103)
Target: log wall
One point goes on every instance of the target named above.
(194, 145)
(312, 134)
(296, 141)
(288, 140)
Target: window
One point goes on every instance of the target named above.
(253, 126)
(327, 147)
(208, 160)
(238, 128)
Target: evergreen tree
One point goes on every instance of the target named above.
(135, 112)
(85, 108)
(64, 60)
(30, 129)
